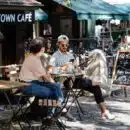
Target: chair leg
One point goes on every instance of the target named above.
(75, 100)
(125, 93)
(60, 125)
(79, 106)
(23, 114)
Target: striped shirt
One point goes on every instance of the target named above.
(58, 58)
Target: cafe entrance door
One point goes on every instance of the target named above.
(9, 44)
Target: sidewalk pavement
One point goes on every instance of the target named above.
(118, 106)
(91, 120)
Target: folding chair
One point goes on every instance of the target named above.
(11, 73)
(54, 110)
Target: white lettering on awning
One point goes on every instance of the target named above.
(28, 17)
(7, 18)
(24, 17)
(16, 17)
(10, 18)
(2, 18)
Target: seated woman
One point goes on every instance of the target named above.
(32, 71)
(96, 75)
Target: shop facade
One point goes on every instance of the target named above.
(16, 25)
(61, 20)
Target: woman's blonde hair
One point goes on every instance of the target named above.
(97, 66)
(95, 57)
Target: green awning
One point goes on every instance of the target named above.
(104, 17)
(40, 15)
(96, 8)
(20, 3)
(81, 16)
(125, 7)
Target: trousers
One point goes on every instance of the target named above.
(86, 84)
(44, 90)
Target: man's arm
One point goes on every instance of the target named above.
(47, 78)
(63, 67)
(50, 68)
(41, 72)
(52, 63)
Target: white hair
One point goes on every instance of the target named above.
(97, 67)
(96, 55)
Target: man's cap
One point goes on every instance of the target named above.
(63, 38)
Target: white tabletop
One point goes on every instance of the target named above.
(67, 74)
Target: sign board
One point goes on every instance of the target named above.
(121, 72)
(17, 17)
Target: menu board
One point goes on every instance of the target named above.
(121, 72)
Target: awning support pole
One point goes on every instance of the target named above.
(34, 31)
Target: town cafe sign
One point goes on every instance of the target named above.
(19, 17)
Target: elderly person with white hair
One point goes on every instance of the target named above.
(96, 68)
(95, 76)
(95, 72)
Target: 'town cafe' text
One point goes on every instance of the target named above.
(16, 17)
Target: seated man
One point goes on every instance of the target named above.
(40, 82)
(60, 59)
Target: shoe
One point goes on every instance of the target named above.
(69, 116)
(64, 110)
(108, 115)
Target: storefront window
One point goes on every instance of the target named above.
(66, 26)
(45, 30)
